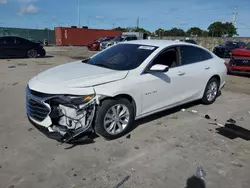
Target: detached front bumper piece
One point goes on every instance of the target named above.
(58, 119)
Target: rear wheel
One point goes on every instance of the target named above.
(211, 91)
(32, 53)
(114, 118)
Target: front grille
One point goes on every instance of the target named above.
(241, 62)
(37, 110)
(35, 106)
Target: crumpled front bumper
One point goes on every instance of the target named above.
(52, 135)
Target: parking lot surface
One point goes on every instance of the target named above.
(163, 150)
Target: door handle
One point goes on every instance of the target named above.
(207, 67)
(181, 73)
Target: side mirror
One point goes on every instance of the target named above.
(159, 68)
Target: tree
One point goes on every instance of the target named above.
(174, 32)
(159, 32)
(219, 29)
(120, 29)
(194, 31)
(205, 33)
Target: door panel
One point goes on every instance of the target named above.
(160, 90)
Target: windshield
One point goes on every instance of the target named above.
(118, 38)
(248, 46)
(122, 56)
(241, 44)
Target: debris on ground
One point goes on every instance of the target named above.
(207, 116)
(120, 141)
(128, 136)
(183, 110)
(237, 165)
(241, 119)
(136, 148)
(179, 146)
(95, 149)
(11, 67)
(231, 121)
(22, 64)
(200, 172)
(194, 111)
(15, 83)
(175, 117)
(30, 129)
(122, 182)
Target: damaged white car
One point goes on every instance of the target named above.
(107, 92)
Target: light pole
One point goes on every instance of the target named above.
(79, 19)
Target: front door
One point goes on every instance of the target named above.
(163, 89)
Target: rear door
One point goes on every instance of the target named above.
(22, 46)
(1, 47)
(8, 47)
(196, 67)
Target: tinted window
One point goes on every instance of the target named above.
(168, 57)
(122, 56)
(119, 38)
(230, 44)
(191, 54)
(7, 40)
(248, 46)
(241, 44)
(20, 41)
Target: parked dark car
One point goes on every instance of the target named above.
(96, 44)
(225, 50)
(11, 46)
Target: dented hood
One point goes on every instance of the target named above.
(78, 74)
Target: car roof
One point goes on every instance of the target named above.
(158, 43)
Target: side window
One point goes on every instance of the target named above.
(167, 57)
(6, 41)
(133, 38)
(192, 54)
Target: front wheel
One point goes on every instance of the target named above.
(114, 118)
(42, 53)
(32, 53)
(211, 91)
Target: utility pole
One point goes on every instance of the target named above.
(138, 22)
(234, 17)
(79, 19)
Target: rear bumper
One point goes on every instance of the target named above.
(90, 47)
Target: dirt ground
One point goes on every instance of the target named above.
(163, 150)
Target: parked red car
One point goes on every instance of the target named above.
(242, 52)
(240, 61)
(95, 46)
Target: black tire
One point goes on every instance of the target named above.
(205, 98)
(42, 53)
(103, 109)
(32, 53)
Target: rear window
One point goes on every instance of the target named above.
(122, 56)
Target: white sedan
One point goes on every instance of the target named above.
(107, 92)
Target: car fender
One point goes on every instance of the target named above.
(120, 87)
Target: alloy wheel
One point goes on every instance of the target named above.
(116, 119)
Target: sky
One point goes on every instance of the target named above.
(100, 14)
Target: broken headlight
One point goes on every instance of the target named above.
(74, 99)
